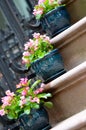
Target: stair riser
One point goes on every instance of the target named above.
(70, 89)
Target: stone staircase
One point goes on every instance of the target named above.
(69, 90)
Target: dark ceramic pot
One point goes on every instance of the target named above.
(49, 67)
(55, 21)
(37, 120)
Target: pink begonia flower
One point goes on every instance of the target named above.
(36, 35)
(26, 53)
(18, 85)
(9, 93)
(51, 1)
(38, 11)
(27, 88)
(24, 93)
(47, 39)
(36, 42)
(39, 90)
(2, 112)
(36, 99)
(35, 48)
(25, 61)
(28, 44)
(22, 102)
(6, 100)
(31, 43)
(42, 85)
(22, 97)
(36, 45)
(23, 81)
(40, 1)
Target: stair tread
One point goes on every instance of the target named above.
(66, 79)
(76, 121)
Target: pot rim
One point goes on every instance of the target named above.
(54, 10)
(49, 54)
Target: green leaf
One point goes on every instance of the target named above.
(19, 90)
(10, 117)
(44, 95)
(29, 82)
(35, 105)
(48, 104)
(27, 110)
(35, 84)
(38, 16)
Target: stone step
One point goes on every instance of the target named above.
(72, 44)
(76, 9)
(69, 90)
(75, 122)
(69, 94)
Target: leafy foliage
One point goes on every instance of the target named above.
(44, 6)
(24, 99)
(36, 48)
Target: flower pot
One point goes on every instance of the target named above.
(36, 120)
(56, 21)
(49, 67)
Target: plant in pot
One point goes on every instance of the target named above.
(27, 105)
(53, 16)
(45, 61)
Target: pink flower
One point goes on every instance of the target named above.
(47, 39)
(22, 102)
(18, 85)
(39, 90)
(2, 112)
(38, 11)
(25, 60)
(51, 1)
(23, 81)
(36, 35)
(24, 93)
(28, 44)
(40, 1)
(6, 100)
(36, 99)
(42, 85)
(27, 88)
(31, 43)
(9, 93)
(22, 97)
(26, 53)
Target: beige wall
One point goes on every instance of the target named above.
(77, 10)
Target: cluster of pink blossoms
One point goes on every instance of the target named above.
(43, 7)
(6, 101)
(26, 93)
(26, 97)
(34, 47)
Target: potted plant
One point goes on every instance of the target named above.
(26, 105)
(45, 61)
(53, 16)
